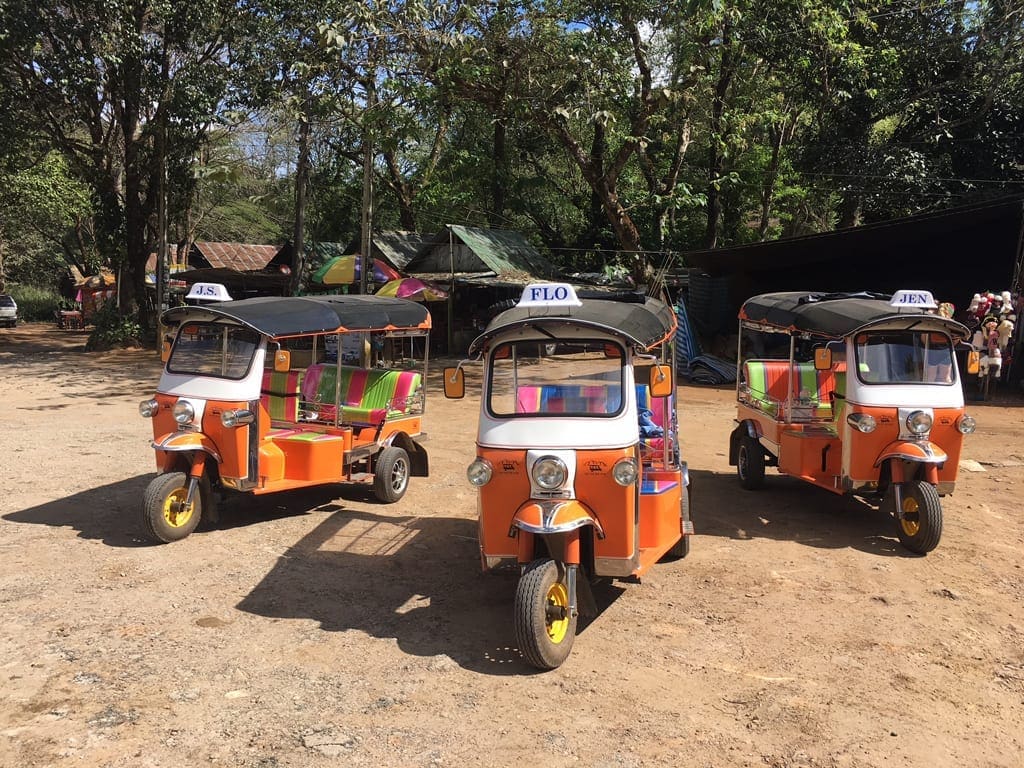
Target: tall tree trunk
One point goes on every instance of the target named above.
(768, 187)
(716, 158)
(301, 183)
(499, 174)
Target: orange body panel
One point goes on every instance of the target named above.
(659, 513)
(233, 443)
(850, 454)
(499, 499)
(611, 503)
(812, 456)
(950, 439)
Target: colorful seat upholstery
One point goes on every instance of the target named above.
(365, 396)
(280, 393)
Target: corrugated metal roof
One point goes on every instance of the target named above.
(243, 257)
(399, 248)
(505, 253)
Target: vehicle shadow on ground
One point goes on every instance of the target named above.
(414, 579)
(112, 513)
(787, 509)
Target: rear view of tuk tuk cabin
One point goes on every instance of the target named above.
(853, 393)
(272, 394)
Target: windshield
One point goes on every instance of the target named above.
(206, 349)
(904, 357)
(578, 378)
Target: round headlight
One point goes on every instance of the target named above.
(624, 471)
(966, 424)
(863, 422)
(479, 472)
(148, 408)
(184, 412)
(550, 473)
(919, 422)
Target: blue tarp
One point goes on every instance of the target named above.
(691, 363)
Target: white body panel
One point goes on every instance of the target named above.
(556, 432)
(213, 387)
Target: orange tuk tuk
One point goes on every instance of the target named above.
(270, 394)
(578, 462)
(854, 393)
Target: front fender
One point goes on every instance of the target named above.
(555, 516)
(921, 452)
(186, 441)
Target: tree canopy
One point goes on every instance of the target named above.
(607, 132)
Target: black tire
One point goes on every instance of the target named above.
(391, 475)
(750, 463)
(163, 518)
(681, 548)
(920, 526)
(545, 630)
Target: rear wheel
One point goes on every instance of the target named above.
(545, 628)
(920, 524)
(750, 463)
(165, 515)
(391, 474)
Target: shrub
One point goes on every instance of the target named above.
(35, 303)
(112, 330)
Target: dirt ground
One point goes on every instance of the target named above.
(321, 628)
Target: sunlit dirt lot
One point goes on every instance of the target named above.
(321, 628)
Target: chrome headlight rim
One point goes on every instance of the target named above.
(183, 412)
(237, 417)
(549, 473)
(966, 424)
(148, 408)
(479, 472)
(862, 422)
(625, 471)
(919, 423)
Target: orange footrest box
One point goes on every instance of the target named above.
(312, 456)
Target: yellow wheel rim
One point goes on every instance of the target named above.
(911, 520)
(175, 512)
(557, 603)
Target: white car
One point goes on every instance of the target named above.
(8, 311)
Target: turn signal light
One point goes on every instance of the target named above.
(237, 418)
(479, 472)
(624, 472)
(966, 424)
(862, 422)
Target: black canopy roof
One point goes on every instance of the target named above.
(638, 319)
(296, 315)
(835, 314)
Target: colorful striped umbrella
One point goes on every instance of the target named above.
(345, 270)
(413, 288)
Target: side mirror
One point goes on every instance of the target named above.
(973, 362)
(165, 349)
(661, 380)
(454, 383)
(282, 361)
(822, 359)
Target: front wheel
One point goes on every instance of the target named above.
(545, 626)
(750, 463)
(165, 515)
(920, 524)
(391, 474)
